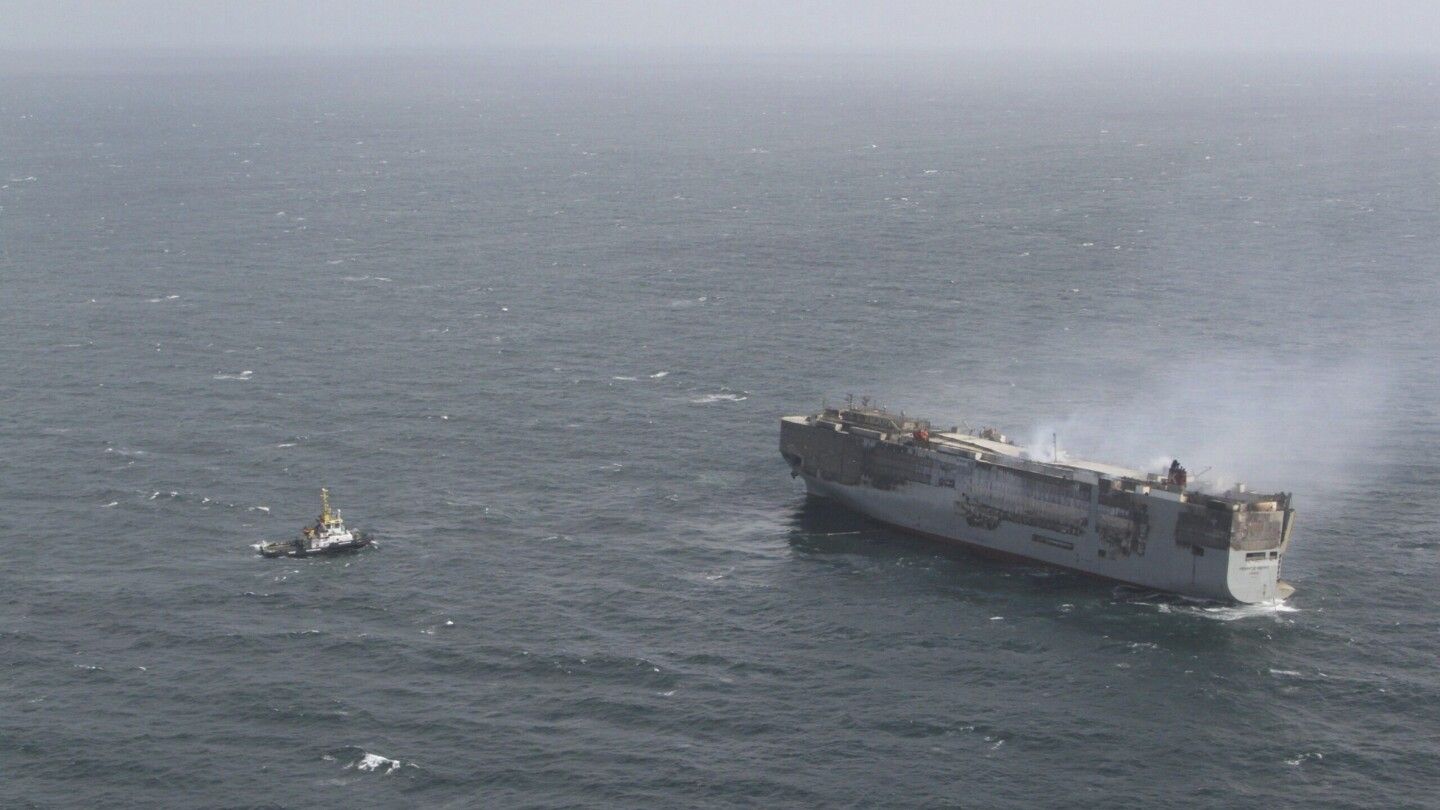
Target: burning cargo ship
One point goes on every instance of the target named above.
(983, 491)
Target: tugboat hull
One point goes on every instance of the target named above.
(297, 548)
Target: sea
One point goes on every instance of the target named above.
(533, 319)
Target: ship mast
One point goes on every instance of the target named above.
(325, 505)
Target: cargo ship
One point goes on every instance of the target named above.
(1147, 530)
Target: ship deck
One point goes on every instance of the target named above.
(966, 441)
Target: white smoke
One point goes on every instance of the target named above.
(1271, 422)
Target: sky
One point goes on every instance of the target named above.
(1270, 26)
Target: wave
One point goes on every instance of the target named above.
(369, 762)
(711, 398)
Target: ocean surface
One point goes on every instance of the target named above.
(534, 320)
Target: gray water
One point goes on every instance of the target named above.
(533, 321)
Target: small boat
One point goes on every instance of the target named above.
(327, 536)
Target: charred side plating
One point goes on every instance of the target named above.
(1099, 519)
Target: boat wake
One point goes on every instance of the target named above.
(1201, 608)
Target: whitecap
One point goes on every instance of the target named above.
(244, 375)
(625, 379)
(264, 509)
(375, 762)
(659, 375)
(711, 398)
(110, 504)
(1288, 673)
(286, 444)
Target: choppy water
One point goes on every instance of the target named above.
(534, 325)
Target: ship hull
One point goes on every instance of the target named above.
(971, 543)
(1188, 575)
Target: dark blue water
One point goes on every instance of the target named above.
(534, 322)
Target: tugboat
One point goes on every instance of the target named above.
(327, 536)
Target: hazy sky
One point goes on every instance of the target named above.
(1381, 26)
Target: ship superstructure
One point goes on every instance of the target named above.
(984, 491)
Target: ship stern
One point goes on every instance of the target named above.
(1238, 547)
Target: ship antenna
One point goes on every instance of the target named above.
(1055, 447)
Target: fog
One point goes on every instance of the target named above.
(1384, 26)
